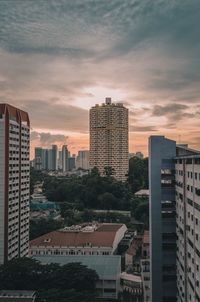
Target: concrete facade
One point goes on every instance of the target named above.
(14, 182)
(162, 219)
(109, 138)
(188, 227)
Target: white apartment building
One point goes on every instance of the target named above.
(96, 239)
(14, 182)
(188, 226)
(109, 138)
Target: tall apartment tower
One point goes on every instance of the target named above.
(174, 179)
(14, 182)
(162, 152)
(188, 224)
(109, 138)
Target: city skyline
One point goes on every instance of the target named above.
(58, 59)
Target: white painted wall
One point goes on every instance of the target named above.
(2, 181)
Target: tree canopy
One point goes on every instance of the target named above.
(71, 282)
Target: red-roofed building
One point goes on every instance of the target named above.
(94, 239)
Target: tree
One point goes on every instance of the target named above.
(52, 282)
(138, 173)
(42, 226)
(109, 171)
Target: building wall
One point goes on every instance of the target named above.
(2, 184)
(14, 182)
(65, 159)
(162, 220)
(38, 158)
(109, 138)
(119, 236)
(188, 228)
(145, 274)
(82, 160)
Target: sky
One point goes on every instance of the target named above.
(60, 57)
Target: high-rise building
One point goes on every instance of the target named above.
(109, 138)
(60, 160)
(38, 158)
(162, 152)
(72, 163)
(14, 182)
(188, 224)
(174, 179)
(41, 159)
(65, 158)
(82, 160)
(54, 157)
(45, 159)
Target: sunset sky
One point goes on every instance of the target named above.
(58, 58)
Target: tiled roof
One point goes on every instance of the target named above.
(104, 236)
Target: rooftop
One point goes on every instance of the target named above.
(107, 267)
(80, 235)
(17, 293)
(144, 192)
(130, 277)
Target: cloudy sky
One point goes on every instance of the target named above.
(60, 57)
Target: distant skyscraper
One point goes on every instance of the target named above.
(45, 153)
(109, 138)
(82, 160)
(60, 160)
(14, 182)
(72, 163)
(54, 158)
(65, 158)
(38, 158)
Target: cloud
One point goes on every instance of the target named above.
(174, 112)
(57, 54)
(142, 129)
(47, 139)
(168, 109)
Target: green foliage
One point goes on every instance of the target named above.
(138, 173)
(140, 210)
(89, 191)
(36, 176)
(93, 191)
(109, 171)
(42, 226)
(72, 282)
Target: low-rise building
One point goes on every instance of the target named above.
(142, 193)
(132, 258)
(108, 269)
(145, 267)
(132, 284)
(94, 239)
(17, 296)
